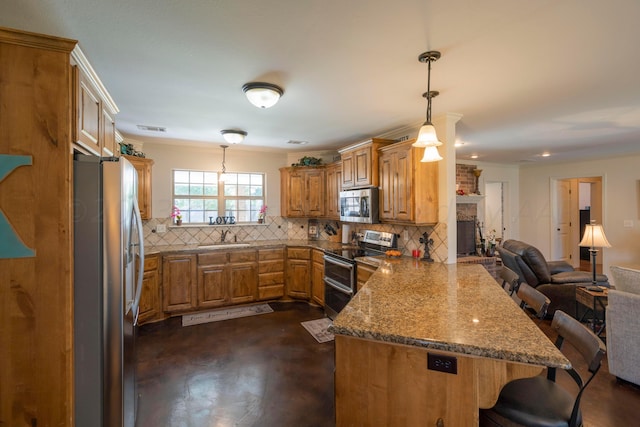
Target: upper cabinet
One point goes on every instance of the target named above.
(360, 163)
(333, 174)
(302, 192)
(143, 167)
(94, 130)
(408, 187)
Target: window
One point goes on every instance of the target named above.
(201, 197)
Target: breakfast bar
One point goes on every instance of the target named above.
(429, 344)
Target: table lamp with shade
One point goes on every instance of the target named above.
(594, 238)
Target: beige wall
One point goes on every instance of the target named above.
(238, 159)
(620, 193)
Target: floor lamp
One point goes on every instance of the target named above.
(594, 238)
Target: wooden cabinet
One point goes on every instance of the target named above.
(150, 308)
(270, 273)
(333, 174)
(226, 278)
(243, 276)
(36, 268)
(143, 167)
(94, 126)
(302, 192)
(408, 187)
(317, 276)
(179, 278)
(360, 163)
(213, 280)
(363, 272)
(298, 272)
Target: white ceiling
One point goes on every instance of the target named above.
(527, 76)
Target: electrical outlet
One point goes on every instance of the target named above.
(405, 235)
(628, 223)
(161, 228)
(438, 362)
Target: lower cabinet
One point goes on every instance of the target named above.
(179, 283)
(363, 272)
(150, 308)
(270, 273)
(317, 276)
(298, 274)
(226, 278)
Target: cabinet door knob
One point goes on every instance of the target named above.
(440, 422)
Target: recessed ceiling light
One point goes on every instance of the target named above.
(546, 154)
(295, 142)
(474, 156)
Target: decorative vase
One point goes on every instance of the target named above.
(178, 222)
(260, 220)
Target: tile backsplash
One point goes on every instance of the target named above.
(279, 228)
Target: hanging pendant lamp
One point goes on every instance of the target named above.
(427, 136)
(222, 176)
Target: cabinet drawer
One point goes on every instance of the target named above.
(271, 292)
(243, 256)
(270, 254)
(212, 258)
(151, 263)
(318, 255)
(270, 266)
(299, 253)
(266, 279)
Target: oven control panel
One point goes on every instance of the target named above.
(382, 238)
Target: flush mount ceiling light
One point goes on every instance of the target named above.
(262, 95)
(233, 136)
(427, 135)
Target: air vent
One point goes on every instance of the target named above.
(152, 128)
(294, 142)
(402, 138)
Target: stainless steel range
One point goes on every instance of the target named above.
(340, 268)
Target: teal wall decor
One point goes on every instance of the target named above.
(10, 244)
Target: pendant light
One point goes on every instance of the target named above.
(262, 95)
(427, 135)
(223, 175)
(233, 136)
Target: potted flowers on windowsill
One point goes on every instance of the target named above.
(262, 214)
(176, 215)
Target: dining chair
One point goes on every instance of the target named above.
(540, 401)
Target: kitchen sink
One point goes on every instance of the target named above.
(224, 246)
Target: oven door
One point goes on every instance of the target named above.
(339, 284)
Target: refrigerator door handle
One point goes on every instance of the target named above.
(138, 288)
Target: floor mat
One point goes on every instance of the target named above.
(318, 329)
(224, 314)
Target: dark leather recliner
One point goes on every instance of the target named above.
(556, 279)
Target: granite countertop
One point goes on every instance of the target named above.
(256, 244)
(458, 308)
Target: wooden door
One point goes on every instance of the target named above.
(386, 186)
(243, 282)
(179, 282)
(317, 277)
(403, 185)
(298, 278)
(314, 189)
(213, 282)
(150, 305)
(348, 170)
(296, 191)
(362, 172)
(88, 115)
(109, 135)
(333, 182)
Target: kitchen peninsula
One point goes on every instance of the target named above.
(429, 344)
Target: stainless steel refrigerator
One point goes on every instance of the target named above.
(107, 241)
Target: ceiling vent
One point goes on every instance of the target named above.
(152, 128)
(295, 142)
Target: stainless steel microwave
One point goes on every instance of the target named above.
(359, 205)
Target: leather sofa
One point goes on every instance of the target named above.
(623, 324)
(556, 279)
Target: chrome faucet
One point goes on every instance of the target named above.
(223, 235)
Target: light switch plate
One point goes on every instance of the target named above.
(628, 223)
(161, 228)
